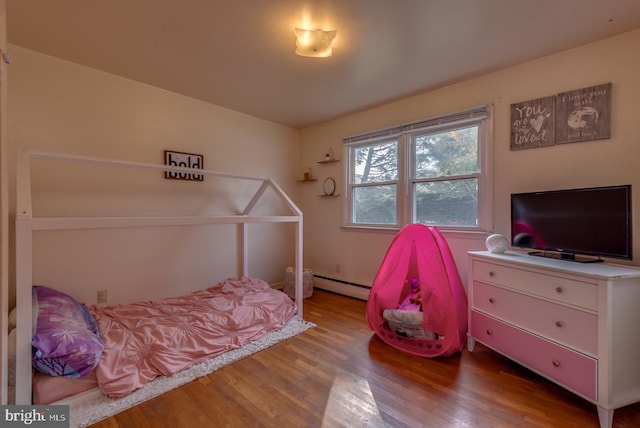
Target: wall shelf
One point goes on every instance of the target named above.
(328, 196)
(309, 180)
(329, 161)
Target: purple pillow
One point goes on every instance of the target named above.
(65, 338)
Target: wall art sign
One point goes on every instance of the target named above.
(584, 114)
(185, 160)
(532, 123)
(569, 117)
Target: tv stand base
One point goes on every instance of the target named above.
(566, 256)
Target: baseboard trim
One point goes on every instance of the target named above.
(347, 288)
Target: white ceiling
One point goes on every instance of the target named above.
(239, 53)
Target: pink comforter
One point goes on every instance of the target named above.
(148, 339)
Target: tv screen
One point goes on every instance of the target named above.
(593, 221)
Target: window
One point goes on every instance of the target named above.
(431, 172)
(375, 183)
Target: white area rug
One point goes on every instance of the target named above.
(100, 408)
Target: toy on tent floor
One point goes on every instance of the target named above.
(417, 301)
(407, 319)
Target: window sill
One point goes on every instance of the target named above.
(369, 228)
(458, 233)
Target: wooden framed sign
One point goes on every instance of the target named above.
(584, 114)
(184, 160)
(532, 123)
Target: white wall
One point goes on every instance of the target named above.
(596, 163)
(58, 106)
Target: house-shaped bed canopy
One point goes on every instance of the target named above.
(27, 224)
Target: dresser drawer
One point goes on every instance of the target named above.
(571, 369)
(576, 293)
(573, 327)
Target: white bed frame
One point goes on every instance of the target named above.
(27, 224)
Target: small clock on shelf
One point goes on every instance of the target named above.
(329, 187)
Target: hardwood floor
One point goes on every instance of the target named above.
(339, 374)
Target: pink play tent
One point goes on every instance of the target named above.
(417, 302)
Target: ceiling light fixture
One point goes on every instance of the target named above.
(314, 43)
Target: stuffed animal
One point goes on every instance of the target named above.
(413, 301)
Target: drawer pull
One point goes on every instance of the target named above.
(559, 323)
(492, 273)
(559, 289)
(492, 300)
(489, 331)
(556, 363)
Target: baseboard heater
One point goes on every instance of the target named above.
(340, 286)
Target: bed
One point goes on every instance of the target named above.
(164, 335)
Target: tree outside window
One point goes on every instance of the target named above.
(445, 182)
(375, 183)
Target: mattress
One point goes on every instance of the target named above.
(49, 389)
(144, 340)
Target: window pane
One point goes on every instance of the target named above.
(374, 204)
(447, 153)
(447, 203)
(376, 163)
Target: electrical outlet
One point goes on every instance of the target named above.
(102, 296)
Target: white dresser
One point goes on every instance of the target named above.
(577, 324)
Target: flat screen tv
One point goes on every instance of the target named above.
(593, 221)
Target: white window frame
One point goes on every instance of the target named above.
(480, 116)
